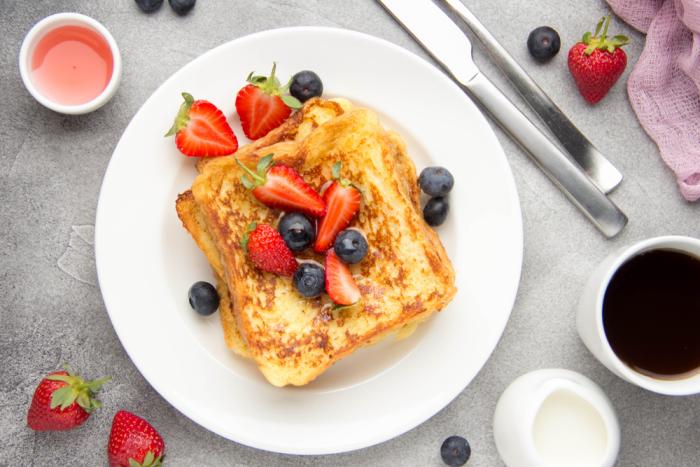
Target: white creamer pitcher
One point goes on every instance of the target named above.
(556, 418)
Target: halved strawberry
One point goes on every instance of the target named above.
(267, 250)
(342, 203)
(281, 187)
(263, 104)
(201, 130)
(340, 285)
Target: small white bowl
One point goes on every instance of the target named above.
(37, 33)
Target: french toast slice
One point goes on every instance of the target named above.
(405, 277)
(192, 220)
(314, 113)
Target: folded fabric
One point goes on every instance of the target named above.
(664, 86)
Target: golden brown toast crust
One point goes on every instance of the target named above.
(192, 220)
(405, 277)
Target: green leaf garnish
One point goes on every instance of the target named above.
(258, 178)
(76, 390)
(344, 182)
(63, 397)
(149, 460)
(183, 115)
(271, 86)
(246, 236)
(64, 378)
(599, 26)
(602, 42)
(291, 102)
(264, 164)
(247, 182)
(335, 170)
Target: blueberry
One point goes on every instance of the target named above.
(455, 451)
(204, 299)
(543, 43)
(305, 85)
(297, 231)
(435, 211)
(310, 279)
(436, 181)
(350, 246)
(182, 7)
(149, 6)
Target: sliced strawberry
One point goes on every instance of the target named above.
(340, 285)
(343, 201)
(281, 187)
(263, 104)
(201, 130)
(267, 250)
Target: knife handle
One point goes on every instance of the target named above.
(593, 203)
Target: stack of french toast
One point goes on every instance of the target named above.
(404, 279)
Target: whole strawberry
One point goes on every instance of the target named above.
(133, 442)
(597, 62)
(62, 401)
(267, 250)
(264, 104)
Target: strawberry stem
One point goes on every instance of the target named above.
(596, 42)
(272, 86)
(76, 390)
(605, 28)
(335, 170)
(183, 115)
(344, 182)
(246, 236)
(258, 179)
(264, 164)
(149, 460)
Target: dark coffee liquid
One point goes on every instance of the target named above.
(651, 313)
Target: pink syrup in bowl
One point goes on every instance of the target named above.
(72, 65)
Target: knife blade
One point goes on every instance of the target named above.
(446, 43)
(599, 169)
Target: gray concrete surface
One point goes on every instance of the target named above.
(51, 167)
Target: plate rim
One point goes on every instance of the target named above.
(391, 431)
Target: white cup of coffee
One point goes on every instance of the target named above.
(639, 314)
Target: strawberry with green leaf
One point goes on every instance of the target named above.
(264, 104)
(201, 130)
(281, 187)
(133, 442)
(63, 401)
(597, 62)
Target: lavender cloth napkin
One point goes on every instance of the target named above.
(664, 86)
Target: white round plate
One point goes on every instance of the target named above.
(146, 261)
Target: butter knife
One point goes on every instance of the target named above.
(598, 168)
(446, 43)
